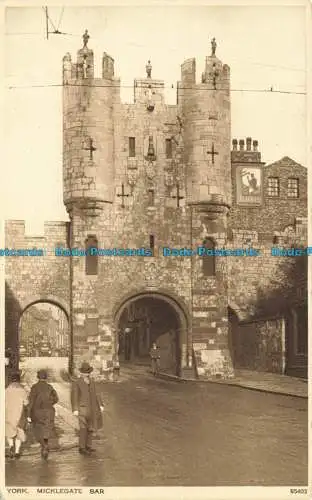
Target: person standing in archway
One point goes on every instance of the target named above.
(41, 412)
(155, 359)
(128, 344)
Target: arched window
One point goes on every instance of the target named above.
(209, 258)
(91, 246)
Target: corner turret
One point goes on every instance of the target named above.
(88, 130)
(205, 110)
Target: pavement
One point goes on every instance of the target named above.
(158, 432)
(248, 379)
(270, 383)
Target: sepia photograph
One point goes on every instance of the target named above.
(155, 249)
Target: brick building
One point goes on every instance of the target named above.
(148, 176)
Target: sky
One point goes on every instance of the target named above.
(264, 46)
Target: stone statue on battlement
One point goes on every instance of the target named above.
(213, 47)
(148, 68)
(85, 38)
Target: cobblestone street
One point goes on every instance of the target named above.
(168, 434)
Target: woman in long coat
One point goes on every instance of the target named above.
(16, 400)
(41, 412)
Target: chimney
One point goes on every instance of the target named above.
(248, 144)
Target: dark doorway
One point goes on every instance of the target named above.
(234, 340)
(144, 321)
(296, 339)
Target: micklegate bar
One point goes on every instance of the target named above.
(151, 175)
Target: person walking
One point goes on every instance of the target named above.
(155, 359)
(41, 412)
(88, 406)
(16, 400)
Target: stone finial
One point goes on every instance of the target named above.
(248, 143)
(148, 68)
(255, 145)
(85, 38)
(213, 47)
(241, 144)
(234, 143)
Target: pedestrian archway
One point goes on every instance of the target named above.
(44, 340)
(147, 318)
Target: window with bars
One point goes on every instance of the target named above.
(91, 246)
(293, 188)
(273, 187)
(131, 147)
(209, 264)
(168, 148)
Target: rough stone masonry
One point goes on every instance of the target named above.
(152, 175)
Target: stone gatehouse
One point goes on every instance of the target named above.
(149, 176)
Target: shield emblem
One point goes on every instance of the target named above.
(150, 170)
(169, 180)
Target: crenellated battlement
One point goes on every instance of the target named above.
(53, 232)
(216, 74)
(83, 69)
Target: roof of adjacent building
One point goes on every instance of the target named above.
(285, 161)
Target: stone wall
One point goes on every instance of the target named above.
(34, 278)
(260, 345)
(264, 285)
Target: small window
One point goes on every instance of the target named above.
(273, 187)
(168, 148)
(151, 197)
(91, 246)
(132, 146)
(209, 258)
(293, 188)
(152, 241)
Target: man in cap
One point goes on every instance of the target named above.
(87, 405)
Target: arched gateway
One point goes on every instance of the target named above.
(146, 317)
(134, 189)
